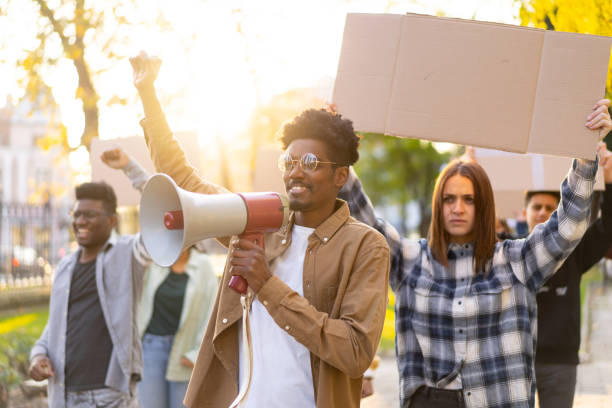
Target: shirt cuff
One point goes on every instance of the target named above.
(191, 355)
(37, 351)
(273, 292)
(586, 168)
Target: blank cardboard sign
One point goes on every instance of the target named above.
(491, 85)
(136, 147)
(512, 174)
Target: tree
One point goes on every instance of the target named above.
(587, 17)
(396, 171)
(80, 32)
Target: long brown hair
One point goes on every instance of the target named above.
(484, 214)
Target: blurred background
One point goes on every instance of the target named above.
(232, 73)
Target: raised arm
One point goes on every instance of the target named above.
(166, 152)
(362, 209)
(535, 258)
(597, 239)
(117, 158)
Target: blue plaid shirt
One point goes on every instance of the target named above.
(476, 332)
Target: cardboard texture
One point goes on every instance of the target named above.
(136, 147)
(492, 85)
(512, 174)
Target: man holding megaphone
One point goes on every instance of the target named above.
(316, 294)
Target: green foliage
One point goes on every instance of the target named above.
(587, 17)
(92, 36)
(15, 346)
(17, 352)
(9, 378)
(396, 171)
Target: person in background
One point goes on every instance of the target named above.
(466, 316)
(559, 298)
(173, 312)
(90, 350)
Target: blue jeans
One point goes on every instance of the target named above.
(154, 391)
(100, 398)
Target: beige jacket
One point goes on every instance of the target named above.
(197, 304)
(339, 319)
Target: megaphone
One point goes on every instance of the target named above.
(172, 219)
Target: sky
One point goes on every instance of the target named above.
(212, 76)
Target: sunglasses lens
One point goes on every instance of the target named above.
(285, 163)
(309, 162)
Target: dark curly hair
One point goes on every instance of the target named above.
(98, 191)
(319, 124)
(530, 193)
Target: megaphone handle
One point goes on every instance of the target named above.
(238, 283)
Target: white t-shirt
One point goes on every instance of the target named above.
(282, 376)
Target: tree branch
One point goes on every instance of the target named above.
(57, 26)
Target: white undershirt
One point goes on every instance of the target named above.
(282, 376)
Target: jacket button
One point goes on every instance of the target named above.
(265, 302)
(287, 328)
(284, 241)
(325, 239)
(224, 320)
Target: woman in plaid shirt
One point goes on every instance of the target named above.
(466, 314)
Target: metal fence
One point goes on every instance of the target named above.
(33, 239)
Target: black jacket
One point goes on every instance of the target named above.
(559, 300)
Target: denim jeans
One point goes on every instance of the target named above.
(100, 398)
(154, 391)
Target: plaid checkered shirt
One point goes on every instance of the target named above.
(456, 329)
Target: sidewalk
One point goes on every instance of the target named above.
(594, 384)
(386, 385)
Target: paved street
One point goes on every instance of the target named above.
(594, 388)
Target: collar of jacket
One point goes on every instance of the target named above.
(110, 242)
(279, 241)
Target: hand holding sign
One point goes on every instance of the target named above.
(600, 118)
